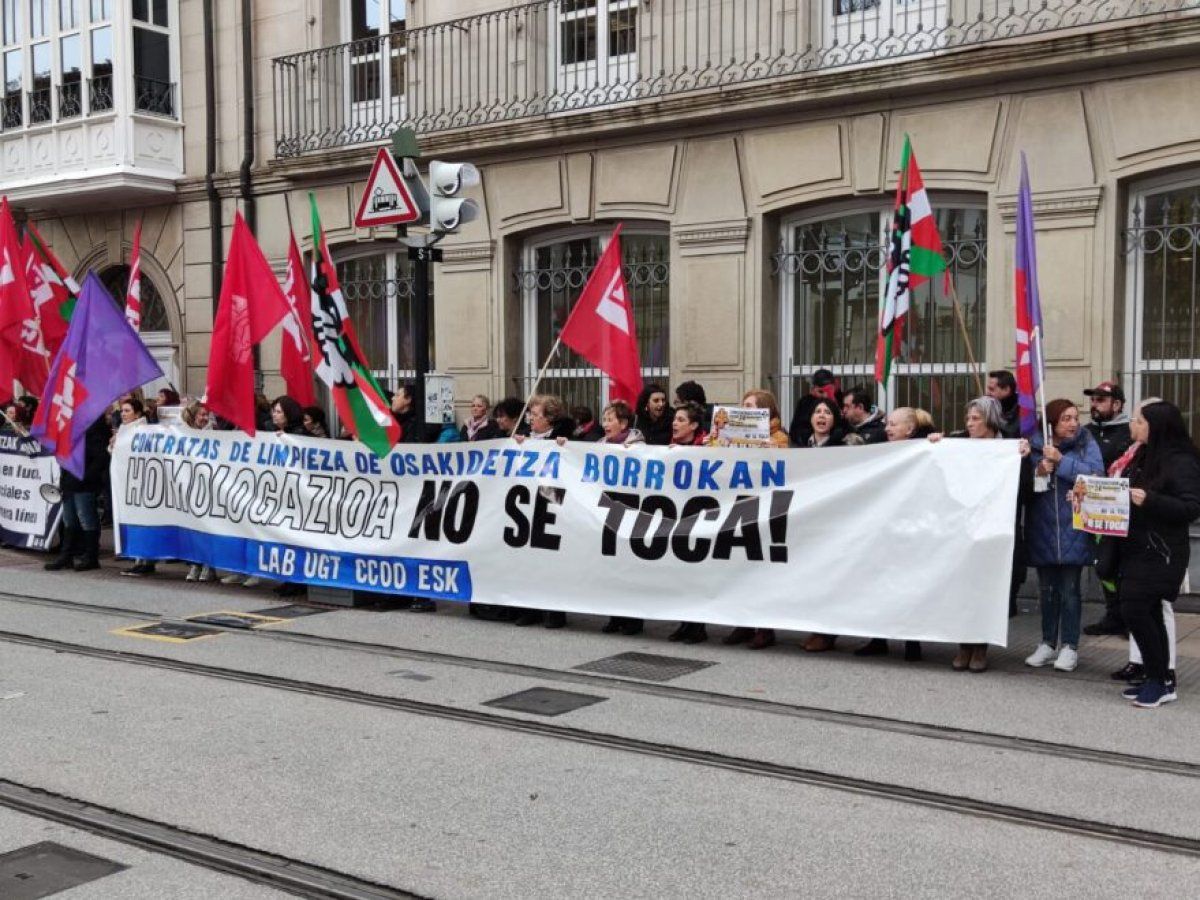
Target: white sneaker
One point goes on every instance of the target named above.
(1067, 660)
(232, 578)
(206, 574)
(193, 573)
(1042, 655)
(252, 581)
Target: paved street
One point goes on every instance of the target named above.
(362, 743)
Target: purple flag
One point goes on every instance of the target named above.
(100, 359)
(1028, 309)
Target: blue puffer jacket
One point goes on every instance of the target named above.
(1051, 539)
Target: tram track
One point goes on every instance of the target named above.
(969, 806)
(992, 740)
(269, 869)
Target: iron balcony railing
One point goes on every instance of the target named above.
(559, 56)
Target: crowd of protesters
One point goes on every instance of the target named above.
(1141, 575)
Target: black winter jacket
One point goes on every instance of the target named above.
(1113, 437)
(95, 461)
(656, 433)
(1154, 557)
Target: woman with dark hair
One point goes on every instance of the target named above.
(287, 416)
(827, 429)
(315, 423)
(654, 415)
(133, 414)
(617, 421)
(1164, 481)
(687, 430)
(1056, 548)
(167, 397)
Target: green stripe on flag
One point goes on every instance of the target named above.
(926, 262)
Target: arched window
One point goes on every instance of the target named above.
(156, 323)
(1163, 286)
(832, 273)
(552, 274)
(378, 287)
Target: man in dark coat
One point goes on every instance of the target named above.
(868, 423)
(1110, 428)
(80, 547)
(1002, 385)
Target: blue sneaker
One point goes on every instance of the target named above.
(1154, 694)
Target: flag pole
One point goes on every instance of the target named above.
(1041, 391)
(15, 427)
(533, 390)
(962, 325)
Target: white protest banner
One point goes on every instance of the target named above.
(731, 537)
(30, 507)
(1104, 506)
(740, 426)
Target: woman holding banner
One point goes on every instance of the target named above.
(687, 430)
(654, 418)
(828, 429)
(904, 423)
(133, 414)
(1056, 548)
(617, 422)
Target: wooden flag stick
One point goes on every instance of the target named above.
(17, 428)
(962, 324)
(533, 390)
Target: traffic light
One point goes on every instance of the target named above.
(447, 210)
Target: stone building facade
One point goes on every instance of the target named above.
(749, 148)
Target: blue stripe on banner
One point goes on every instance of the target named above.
(435, 579)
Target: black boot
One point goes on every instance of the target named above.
(90, 558)
(68, 547)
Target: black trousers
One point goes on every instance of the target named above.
(1143, 615)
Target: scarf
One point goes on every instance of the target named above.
(1121, 463)
(473, 426)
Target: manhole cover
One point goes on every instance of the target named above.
(545, 701)
(226, 619)
(295, 611)
(48, 868)
(645, 666)
(174, 632)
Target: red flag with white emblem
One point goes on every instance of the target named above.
(250, 307)
(295, 356)
(133, 295)
(601, 327)
(23, 355)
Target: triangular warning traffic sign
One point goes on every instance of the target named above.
(387, 199)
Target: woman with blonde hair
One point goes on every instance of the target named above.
(763, 399)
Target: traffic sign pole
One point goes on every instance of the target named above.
(421, 256)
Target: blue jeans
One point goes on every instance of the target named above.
(79, 511)
(1062, 604)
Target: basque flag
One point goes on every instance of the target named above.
(101, 359)
(1030, 359)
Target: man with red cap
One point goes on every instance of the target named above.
(1110, 428)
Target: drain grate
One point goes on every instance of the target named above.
(645, 666)
(545, 701)
(227, 619)
(174, 632)
(48, 868)
(295, 611)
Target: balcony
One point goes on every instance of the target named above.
(559, 57)
(89, 114)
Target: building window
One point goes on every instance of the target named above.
(1163, 283)
(377, 58)
(597, 43)
(832, 274)
(379, 292)
(552, 275)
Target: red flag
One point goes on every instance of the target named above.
(133, 295)
(23, 355)
(601, 328)
(57, 315)
(250, 307)
(295, 358)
